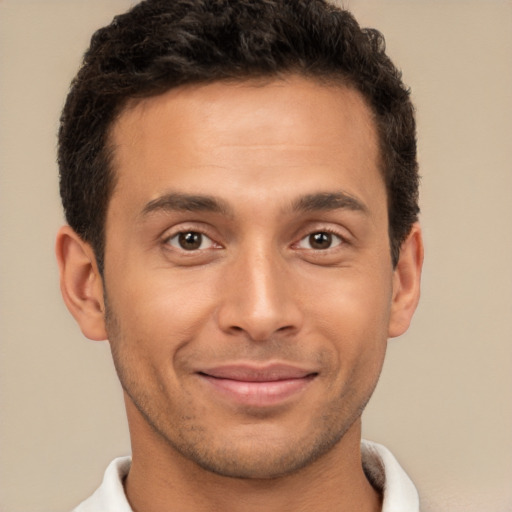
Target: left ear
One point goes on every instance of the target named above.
(406, 283)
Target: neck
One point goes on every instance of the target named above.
(161, 478)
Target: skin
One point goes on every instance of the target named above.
(279, 185)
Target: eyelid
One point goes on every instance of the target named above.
(175, 231)
(340, 241)
(211, 244)
(318, 227)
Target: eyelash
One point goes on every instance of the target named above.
(341, 240)
(184, 232)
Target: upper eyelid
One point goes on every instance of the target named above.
(343, 240)
(329, 231)
(173, 232)
(186, 227)
(344, 234)
(212, 242)
(182, 231)
(212, 233)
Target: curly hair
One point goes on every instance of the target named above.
(163, 44)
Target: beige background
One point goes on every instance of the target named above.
(444, 403)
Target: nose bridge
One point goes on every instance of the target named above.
(258, 295)
(266, 281)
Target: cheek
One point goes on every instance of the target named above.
(162, 308)
(354, 314)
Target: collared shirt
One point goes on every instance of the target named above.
(380, 467)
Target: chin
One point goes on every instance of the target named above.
(262, 456)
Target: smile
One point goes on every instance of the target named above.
(260, 387)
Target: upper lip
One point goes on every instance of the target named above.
(252, 373)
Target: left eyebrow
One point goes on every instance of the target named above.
(325, 201)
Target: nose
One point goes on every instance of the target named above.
(259, 297)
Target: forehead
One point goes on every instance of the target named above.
(230, 104)
(279, 133)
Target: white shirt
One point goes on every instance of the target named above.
(381, 468)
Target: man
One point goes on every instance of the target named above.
(240, 183)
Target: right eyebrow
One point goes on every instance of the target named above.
(174, 201)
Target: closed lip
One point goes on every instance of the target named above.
(257, 387)
(246, 372)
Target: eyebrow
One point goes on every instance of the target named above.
(325, 201)
(173, 202)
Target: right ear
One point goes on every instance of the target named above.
(81, 284)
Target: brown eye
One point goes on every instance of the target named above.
(321, 240)
(190, 241)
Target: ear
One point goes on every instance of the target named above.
(406, 283)
(81, 284)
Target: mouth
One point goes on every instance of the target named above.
(257, 386)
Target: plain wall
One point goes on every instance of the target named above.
(444, 403)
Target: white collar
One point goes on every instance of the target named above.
(388, 477)
(380, 467)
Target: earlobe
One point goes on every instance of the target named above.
(406, 283)
(81, 283)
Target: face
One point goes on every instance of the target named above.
(247, 271)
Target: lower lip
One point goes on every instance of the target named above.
(259, 394)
